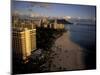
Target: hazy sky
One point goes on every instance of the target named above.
(47, 9)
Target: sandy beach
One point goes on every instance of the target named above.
(66, 55)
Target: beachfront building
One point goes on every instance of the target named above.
(23, 42)
(23, 23)
(55, 24)
(58, 24)
(33, 23)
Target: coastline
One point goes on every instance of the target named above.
(66, 55)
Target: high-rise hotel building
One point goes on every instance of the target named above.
(23, 42)
(23, 39)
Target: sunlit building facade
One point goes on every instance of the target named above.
(58, 25)
(23, 42)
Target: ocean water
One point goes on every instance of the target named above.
(85, 36)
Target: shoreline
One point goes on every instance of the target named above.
(66, 55)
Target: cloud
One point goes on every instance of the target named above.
(42, 5)
(33, 14)
(16, 12)
(67, 17)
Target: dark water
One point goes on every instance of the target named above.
(85, 36)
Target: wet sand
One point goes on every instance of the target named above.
(66, 55)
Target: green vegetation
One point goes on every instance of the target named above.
(46, 36)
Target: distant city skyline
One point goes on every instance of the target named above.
(54, 10)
